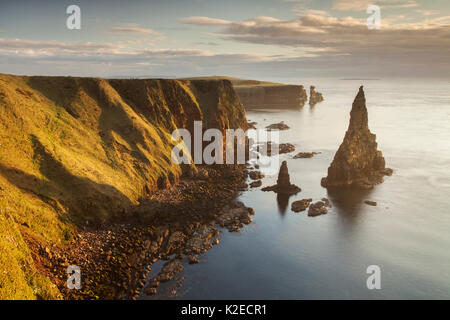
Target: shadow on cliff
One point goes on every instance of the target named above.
(83, 199)
(65, 92)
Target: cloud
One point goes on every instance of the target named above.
(428, 12)
(361, 5)
(132, 30)
(204, 21)
(106, 59)
(325, 39)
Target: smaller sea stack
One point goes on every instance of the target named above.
(357, 162)
(314, 96)
(283, 185)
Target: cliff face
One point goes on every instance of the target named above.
(357, 162)
(274, 96)
(75, 151)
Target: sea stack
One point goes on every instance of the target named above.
(357, 163)
(314, 96)
(283, 185)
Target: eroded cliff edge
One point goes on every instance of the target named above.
(77, 151)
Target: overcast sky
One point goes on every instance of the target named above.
(261, 39)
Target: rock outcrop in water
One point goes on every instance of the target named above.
(314, 96)
(357, 162)
(278, 126)
(283, 185)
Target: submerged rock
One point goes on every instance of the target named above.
(357, 163)
(305, 155)
(278, 126)
(283, 182)
(300, 205)
(314, 96)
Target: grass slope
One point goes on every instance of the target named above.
(80, 151)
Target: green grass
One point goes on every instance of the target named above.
(79, 150)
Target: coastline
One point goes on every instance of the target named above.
(183, 220)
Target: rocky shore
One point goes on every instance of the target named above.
(179, 223)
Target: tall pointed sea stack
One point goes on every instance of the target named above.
(357, 162)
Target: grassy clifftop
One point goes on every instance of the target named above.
(80, 151)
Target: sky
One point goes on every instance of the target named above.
(254, 39)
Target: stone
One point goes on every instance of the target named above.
(150, 291)
(300, 205)
(305, 155)
(202, 174)
(271, 148)
(256, 184)
(371, 203)
(283, 185)
(278, 126)
(327, 203)
(251, 124)
(317, 209)
(193, 260)
(357, 163)
(169, 270)
(255, 175)
(314, 96)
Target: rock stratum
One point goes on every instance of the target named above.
(357, 163)
(77, 152)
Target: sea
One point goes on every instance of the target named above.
(406, 237)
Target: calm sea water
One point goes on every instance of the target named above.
(287, 255)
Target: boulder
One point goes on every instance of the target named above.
(300, 205)
(305, 155)
(278, 126)
(317, 209)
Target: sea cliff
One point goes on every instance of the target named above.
(79, 152)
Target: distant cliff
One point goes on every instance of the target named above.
(256, 94)
(77, 151)
(263, 95)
